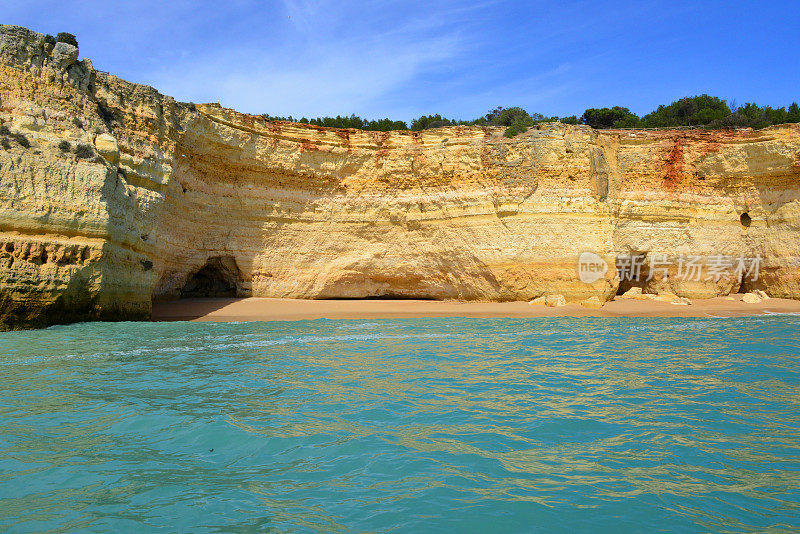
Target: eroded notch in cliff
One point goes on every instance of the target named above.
(219, 277)
(745, 220)
(600, 171)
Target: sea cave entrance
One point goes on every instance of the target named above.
(219, 277)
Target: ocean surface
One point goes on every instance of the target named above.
(418, 425)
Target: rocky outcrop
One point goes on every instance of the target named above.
(124, 195)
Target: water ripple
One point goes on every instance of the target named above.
(441, 425)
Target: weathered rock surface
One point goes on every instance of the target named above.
(593, 303)
(555, 301)
(751, 298)
(64, 55)
(125, 195)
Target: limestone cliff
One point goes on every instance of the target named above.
(112, 194)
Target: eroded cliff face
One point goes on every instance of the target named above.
(125, 195)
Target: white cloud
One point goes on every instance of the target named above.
(336, 61)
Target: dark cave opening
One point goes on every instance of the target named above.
(745, 286)
(634, 270)
(745, 219)
(219, 277)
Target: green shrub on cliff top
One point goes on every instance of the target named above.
(426, 122)
(515, 119)
(616, 117)
(703, 110)
(68, 38)
(793, 113)
(751, 115)
(691, 111)
(353, 121)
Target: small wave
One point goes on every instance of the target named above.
(206, 345)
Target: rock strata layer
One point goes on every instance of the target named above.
(112, 194)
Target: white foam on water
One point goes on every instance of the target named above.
(207, 345)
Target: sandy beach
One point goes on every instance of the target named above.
(270, 309)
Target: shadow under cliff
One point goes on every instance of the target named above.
(187, 309)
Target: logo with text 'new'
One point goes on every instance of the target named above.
(591, 267)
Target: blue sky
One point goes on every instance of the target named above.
(402, 59)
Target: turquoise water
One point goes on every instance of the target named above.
(437, 425)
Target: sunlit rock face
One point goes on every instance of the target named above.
(124, 195)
